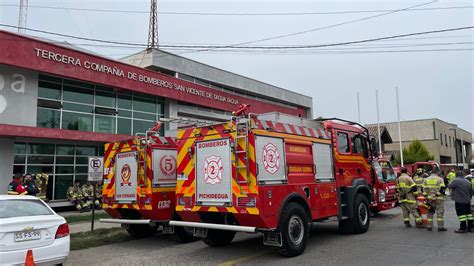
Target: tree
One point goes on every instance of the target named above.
(416, 152)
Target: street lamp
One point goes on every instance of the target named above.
(455, 148)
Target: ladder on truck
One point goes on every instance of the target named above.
(242, 125)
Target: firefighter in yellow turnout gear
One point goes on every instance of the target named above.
(433, 190)
(418, 179)
(406, 197)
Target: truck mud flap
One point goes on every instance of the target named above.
(200, 232)
(272, 239)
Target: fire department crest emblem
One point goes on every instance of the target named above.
(213, 170)
(168, 165)
(271, 158)
(125, 174)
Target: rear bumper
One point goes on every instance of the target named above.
(55, 253)
(236, 228)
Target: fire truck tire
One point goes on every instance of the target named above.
(218, 238)
(361, 221)
(294, 229)
(184, 234)
(140, 230)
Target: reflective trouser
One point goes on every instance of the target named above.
(79, 204)
(463, 211)
(407, 208)
(438, 206)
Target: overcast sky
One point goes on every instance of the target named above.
(431, 84)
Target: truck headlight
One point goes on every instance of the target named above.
(382, 195)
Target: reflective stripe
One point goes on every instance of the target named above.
(439, 219)
(406, 219)
(430, 220)
(462, 218)
(418, 219)
(470, 217)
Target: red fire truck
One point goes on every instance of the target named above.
(274, 174)
(139, 185)
(384, 188)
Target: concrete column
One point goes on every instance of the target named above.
(171, 110)
(6, 163)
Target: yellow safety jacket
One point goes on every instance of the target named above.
(432, 187)
(405, 186)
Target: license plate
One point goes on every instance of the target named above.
(25, 236)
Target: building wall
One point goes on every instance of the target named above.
(18, 96)
(6, 163)
(435, 134)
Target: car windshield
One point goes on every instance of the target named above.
(21, 208)
(384, 166)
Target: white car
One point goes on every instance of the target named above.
(27, 223)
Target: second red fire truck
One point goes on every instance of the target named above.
(274, 174)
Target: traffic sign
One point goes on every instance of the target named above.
(96, 169)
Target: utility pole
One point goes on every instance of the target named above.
(399, 129)
(22, 16)
(378, 121)
(153, 27)
(358, 107)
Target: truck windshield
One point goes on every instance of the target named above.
(384, 168)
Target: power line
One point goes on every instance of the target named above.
(138, 45)
(319, 28)
(240, 14)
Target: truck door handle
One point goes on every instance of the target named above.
(359, 171)
(341, 171)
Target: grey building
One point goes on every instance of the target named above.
(442, 139)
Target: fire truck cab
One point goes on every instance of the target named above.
(274, 174)
(139, 185)
(385, 192)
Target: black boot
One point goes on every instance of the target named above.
(407, 225)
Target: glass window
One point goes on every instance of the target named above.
(86, 150)
(105, 99)
(41, 148)
(49, 90)
(19, 159)
(359, 145)
(81, 169)
(144, 104)
(78, 95)
(64, 160)
(40, 159)
(20, 208)
(82, 160)
(20, 148)
(145, 116)
(141, 126)
(81, 178)
(446, 140)
(78, 83)
(47, 118)
(104, 124)
(49, 78)
(65, 149)
(441, 138)
(78, 107)
(34, 169)
(124, 101)
(64, 169)
(124, 126)
(124, 113)
(75, 121)
(62, 183)
(342, 142)
(19, 169)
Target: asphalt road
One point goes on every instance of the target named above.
(386, 243)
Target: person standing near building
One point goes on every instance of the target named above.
(406, 189)
(461, 193)
(30, 185)
(16, 187)
(451, 176)
(433, 189)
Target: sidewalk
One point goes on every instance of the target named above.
(86, 226)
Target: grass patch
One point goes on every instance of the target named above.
(85, 217)
(99, 237)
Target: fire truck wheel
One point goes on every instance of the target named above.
(218, 238)
(140, 230)
(360, 222)
(294, 230)
(184, 234)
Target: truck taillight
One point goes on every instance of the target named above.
(63, 231)
(185, 201)
(246, 202)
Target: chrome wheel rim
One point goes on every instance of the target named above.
(363, 214)
(296, 230)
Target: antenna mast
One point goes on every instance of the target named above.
(153, 30)
(22, 16)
